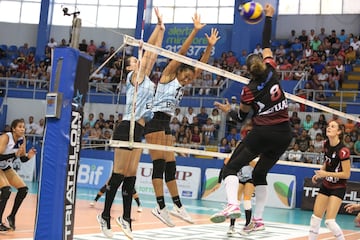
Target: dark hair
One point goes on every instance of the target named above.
(16, 122)
(184, 67)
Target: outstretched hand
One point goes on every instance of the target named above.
(197, 24)
(31, 153)
(269, 10)
(159, 18)
(214, 36)
(225, 107)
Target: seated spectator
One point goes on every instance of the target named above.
(91, 48)
(350, 55)
(308, 123)
(206, 85)
(335, 47)
(100, 52)
(224, 146)
(280, 54)
(303, 141)
(348, 143)
(242, 58)
(297, 48)
(315, 44)
(202, 116)
(258, 49)
(233, 135)
(196, 136)
(174, 125)
(178, 114)
(308, 52)
(295, 155)
(230, 59)
(83, 45)
(322, 122)
(314, 131)
(318, 143)
(349, 126)
(310, 156)
(216, 120)
(323, 78)
(63, 43)
(208, 130)
(320, 94)
(181, 134)
(52, 43)
(294, 119)
(334, 79)
(303, 38)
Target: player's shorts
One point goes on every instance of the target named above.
(160, 122)
(121, 132)
(338, 192)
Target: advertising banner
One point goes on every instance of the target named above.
(93, 173)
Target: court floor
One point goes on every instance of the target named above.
(280, 224)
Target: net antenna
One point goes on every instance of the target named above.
(140, 54)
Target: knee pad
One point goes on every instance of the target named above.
(170, 171)
(334, 228)
(5, 193)
(22, 192)
(158, 169)
(115, 180)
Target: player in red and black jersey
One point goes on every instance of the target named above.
(271, 133)
(334, 174)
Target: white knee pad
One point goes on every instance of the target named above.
(315, 223)
(335, 229)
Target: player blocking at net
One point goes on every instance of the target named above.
(126, 160)
(265, 97)
(168, 95)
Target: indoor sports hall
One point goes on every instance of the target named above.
(62, 70)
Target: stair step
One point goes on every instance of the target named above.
(346, 94)
(353, 77)
(353, 86)
(356, 69)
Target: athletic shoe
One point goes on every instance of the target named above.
(139, 209)
(163, 215)
(11, 222)
(105, 226)
(3, 228)
(92, 204)
(231, 231)
(125, 227)
(181, 213)
(230, 211)
(255, 225)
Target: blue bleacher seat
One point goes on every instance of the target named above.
(12, 49)
(4, 47)
(288, 85)
(32, 49)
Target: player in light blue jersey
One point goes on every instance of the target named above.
(125, 159)
(168, 95)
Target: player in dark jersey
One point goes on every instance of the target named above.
(271, 133)
(334, 174)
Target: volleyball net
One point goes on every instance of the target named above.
(169, 55)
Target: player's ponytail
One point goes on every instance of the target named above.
(255, 65)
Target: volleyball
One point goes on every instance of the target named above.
(252, 12)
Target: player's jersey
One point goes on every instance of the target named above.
(168, 96)
(245, 173)
(267, 99)
(11, 147)
(333, 157)
(144, 99)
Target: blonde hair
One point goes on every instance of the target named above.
(255, 65)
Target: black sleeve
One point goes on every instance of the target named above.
(220, 175)
(4, 157)
(238, 116)
(266, 38)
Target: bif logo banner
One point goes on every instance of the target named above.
(93, 173)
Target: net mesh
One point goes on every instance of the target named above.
(183, 137)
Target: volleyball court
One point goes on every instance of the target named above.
(146, 226)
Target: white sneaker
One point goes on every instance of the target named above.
(105, 226)
(125, 226)
(181, 213)
(92, 204)
(231, 231)
(163, 215)
(139, 209)
(230, 211)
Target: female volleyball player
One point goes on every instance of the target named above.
(12, 146)
(264, 96)
(104, 188)
(125, 159)
(334, 174)
(168, 94)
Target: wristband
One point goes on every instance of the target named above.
(24, 158)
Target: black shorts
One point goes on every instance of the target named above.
(247, 181)
(338, 192)
(121, 132)
(160, 122)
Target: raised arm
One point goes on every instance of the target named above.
(212, 39)
(269, 12)
(149, 58)
(170, 70)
